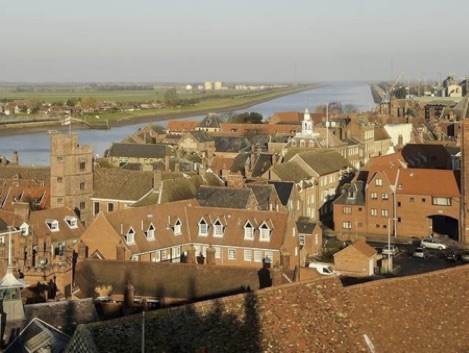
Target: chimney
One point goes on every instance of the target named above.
(276, 275)
(166, 162)
(157, 179)
(129, 295)
(211, 255)
(21, 209)
(120, 251)
(82, 250)
(177, 167)
(285, 260)
(15, 159)
(190, 259)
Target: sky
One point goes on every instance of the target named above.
(236, 41)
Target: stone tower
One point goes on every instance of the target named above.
(71, 175)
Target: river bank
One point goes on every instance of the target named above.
(29, 128)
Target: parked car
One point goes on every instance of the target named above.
(433, 243)
(390, 250)
(465, 256)
(323, 268)
(452, 255)
(420, 252)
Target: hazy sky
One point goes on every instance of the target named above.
(232, 41)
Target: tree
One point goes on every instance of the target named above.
(247, 118)
(350, 108)
(71, 102)
(90, 103)
(171, 97)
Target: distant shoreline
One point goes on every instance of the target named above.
(31, 128)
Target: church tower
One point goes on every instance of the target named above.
(307, 125)
(71, 175)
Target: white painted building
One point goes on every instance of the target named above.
(399, 133)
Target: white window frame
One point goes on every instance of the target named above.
(177, 227)
(231, 254)
(218, 229)
(247, 255)
(347, 210)
(53, 225)
(248, 231)
(264, 232)
(72, 222)
(384, 212)
(374, 196)
(155, 256)
(257, 255)
(203, 228)
(269, 257)
(130, 236)
(346, 225)
(379, 182)
(217, 252)
(441, 201)
(374, 212)
(150, 233)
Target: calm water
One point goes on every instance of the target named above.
(34, 148)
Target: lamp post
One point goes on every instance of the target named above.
(327, 125)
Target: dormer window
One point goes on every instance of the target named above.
(53, 225)
(177, 227)
(264, 232)
(130, 236)
(71, 221)
(150, 233)
(248, 231)
(203, 228)
(24, 228)
(218, 229)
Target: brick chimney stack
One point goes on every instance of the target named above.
(129, 295)
(211, 255)
(285, 260)
(191, 255)
(120, 251)
(276, 274)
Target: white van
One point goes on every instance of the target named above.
(323, 268)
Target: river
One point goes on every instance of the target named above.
(34, 148)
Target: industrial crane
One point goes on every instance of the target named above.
(387, 96)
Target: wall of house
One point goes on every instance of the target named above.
(352, 262)
(350, 219)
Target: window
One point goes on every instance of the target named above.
(374, 211)
(347, 210)
(130, 236)
(257, 256)
(53, 225)
(60, 159)
(60, 200)
(384, 213)
(374, 195)
(399, 204)
(2, 240)
(231, 254)
(264, 232)
(302, 239)
(379, 182)
(177, 227)
(82, 165)
(150, 233)
(82, 185)
(384, 196)
(155, 257)
(110, 207)
(60, 179)
(96, 208)
(203, 228)
(218, 229)
(269, 257)
(24, 229)
(347, 225)
(175, 252)
(217, 252)
(412, 199)
(82, 205)
(441, 201)
(71, 221)
(248, 231)
(423, 200)
(247, 255)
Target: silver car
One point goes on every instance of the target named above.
(390, 250)
(433, 243)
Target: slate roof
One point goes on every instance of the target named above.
(284, 190)
(201, 136)
(211, 121)
(224, 197)
(426, 156)
(357, 188)
(263, 194)
(304, 226)
(291, 171)
(132, 150)
(173, 280)
(262, 164)
(324, 161)
(35, 173)
(231, 143)
(118, 184)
